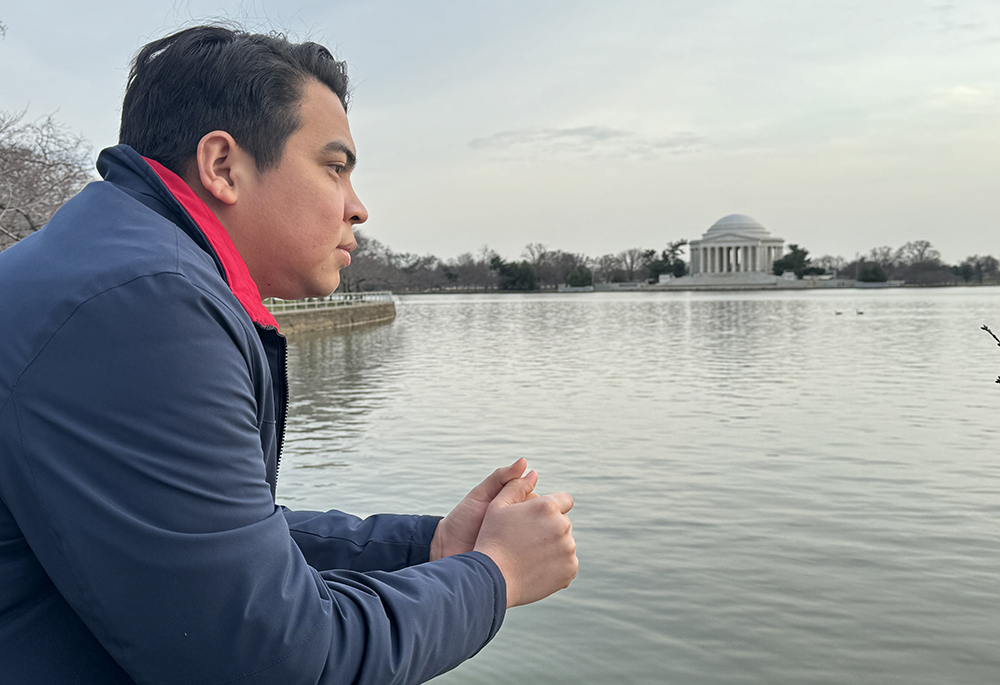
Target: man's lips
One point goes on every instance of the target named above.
(346, 250)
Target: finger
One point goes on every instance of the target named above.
(531, 480)
(563, 500)
(494, 482)
(516, 490)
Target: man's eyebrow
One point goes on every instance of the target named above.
(337, 146)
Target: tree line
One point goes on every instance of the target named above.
(375, 266)
(915, 262)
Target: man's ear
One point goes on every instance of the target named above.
(218, 165)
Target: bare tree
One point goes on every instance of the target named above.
(607, 266)
(631, 260)
(978, 267)
(41, 167)
(987, 266)
(830, 263)
(917, 251)
(470, 272)
(535, 253)
(558, 265)
(885, 257)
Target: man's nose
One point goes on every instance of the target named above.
(356, 210)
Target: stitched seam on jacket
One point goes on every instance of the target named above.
(246, 333)
(177, 250)
(6, 402)
(342, 539)
(107, 290)
(65, 321)
(409, 545)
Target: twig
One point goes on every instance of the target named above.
(987, 329)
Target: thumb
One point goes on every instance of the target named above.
(491, 487)
(516, 490)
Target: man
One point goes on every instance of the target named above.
(142, 405)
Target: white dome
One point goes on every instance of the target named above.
(738, 223)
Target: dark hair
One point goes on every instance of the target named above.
(210, 78)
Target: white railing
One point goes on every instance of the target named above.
(276, 305)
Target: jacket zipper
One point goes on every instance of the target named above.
(283, 361)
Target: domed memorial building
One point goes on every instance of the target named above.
(735, 249)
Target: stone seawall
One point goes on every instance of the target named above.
(335, 317)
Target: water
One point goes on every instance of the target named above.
(767, 491)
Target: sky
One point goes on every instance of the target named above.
(594, 127)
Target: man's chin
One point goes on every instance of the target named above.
(331, 285)
(306, 290)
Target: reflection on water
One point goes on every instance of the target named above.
(767, 491)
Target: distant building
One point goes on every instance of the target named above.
(736, 248)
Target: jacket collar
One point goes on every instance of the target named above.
(195, 217)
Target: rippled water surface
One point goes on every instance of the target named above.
(767, 491)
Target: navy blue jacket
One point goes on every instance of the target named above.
(141, 413)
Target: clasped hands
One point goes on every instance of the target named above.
(529, 536)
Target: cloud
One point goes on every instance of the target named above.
(962, 97)
(586, 141)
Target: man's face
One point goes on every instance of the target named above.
(297, 219)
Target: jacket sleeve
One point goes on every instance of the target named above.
(144, 498)
(383, 542)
